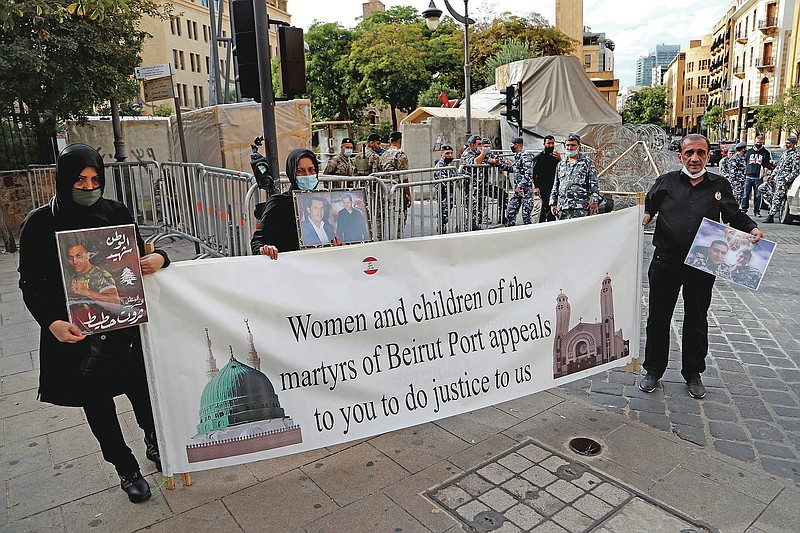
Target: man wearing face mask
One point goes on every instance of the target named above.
(342, 163)
(681, 199)
(575, 191)
(471, 159)
(544, 174)
(446, 198)
(757, 159)
(522, 172)
(277, 227)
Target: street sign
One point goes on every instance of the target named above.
(158, 89)
(153, 71)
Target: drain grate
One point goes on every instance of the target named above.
(531, 486)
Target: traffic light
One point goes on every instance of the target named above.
(750, 119)
(516, 105)
(293, 61)
(245, 54)
(509, 93)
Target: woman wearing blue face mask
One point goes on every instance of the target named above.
(277, 229)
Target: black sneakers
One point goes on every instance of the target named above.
(696, 387)
(136, 486)
(648, 383)
(769, 219)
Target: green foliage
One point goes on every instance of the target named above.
(388, 60)
(162, 110)
(63, 66)
(783, 114)
(391, 58)
(713, 117)
(513, 50)
(648, 106)
(430, 96)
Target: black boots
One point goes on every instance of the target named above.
(151, 451)
(136, 486)
(769, 220)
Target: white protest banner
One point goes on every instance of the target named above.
(251, 358)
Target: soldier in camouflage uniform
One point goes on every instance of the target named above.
(784, 175)
(711, 259)
(576, 192)
(736, 171)
(522, 169)
(371, 153)
(342, 163)
(446, 200)
(393, 159)
(724, 163)
(471, 159)
(93, 283)
(742, 272)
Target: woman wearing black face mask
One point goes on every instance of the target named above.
(277, 229)
(446, 199)
(65, 378)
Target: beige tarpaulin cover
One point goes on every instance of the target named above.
(421, 114)
(558, 97)
(220, 136)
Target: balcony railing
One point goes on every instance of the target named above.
(765, 62)
(741, 36)
(768, 24)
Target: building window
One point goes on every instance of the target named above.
(180, 58)
(196, 99)
(587, 60)
(702, 82)
(205, 33)
(185, 95)
(178, 26)
(175, 59)
(208, 66)
(172, 26)
(194, 30)
(202, 97)
(689, 84)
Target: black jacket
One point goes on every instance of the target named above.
(681, 208)
(41, 280)
(544, 174)
(755, 161)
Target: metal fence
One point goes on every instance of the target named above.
(214, 207)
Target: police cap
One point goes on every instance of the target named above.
(573, 137)
(792, 139)
(516, 140)
(373, 137)
(741, 146)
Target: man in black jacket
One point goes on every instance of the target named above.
(681, 199)
(757, 159)
(544, 174)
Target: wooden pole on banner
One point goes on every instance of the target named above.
(634, 364)
(169, 482)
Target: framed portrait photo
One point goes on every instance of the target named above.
(324, 215)
(102, 278)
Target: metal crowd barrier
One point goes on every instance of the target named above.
(42, 183)
(488, 196)
(224, 221)
(179, 186)
(134, 183)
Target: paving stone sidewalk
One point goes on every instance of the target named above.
(752, 409)
(649, 476)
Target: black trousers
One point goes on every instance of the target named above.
(101, 413)
(667, 277)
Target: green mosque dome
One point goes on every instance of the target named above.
(238, 394)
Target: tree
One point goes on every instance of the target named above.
(327, 74)
(648, 106)
(388, 60)
(513, 50)
(61, 66)
(783, 114)
(712, 120)
(430, 96)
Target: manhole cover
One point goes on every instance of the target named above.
(585, 446)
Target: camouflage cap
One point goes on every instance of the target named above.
(792, 139)
(516, 140)
(373, 137)
(741, 146)
(572, 137)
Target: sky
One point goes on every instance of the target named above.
(635, 27)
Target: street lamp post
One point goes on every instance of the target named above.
(432, 15)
